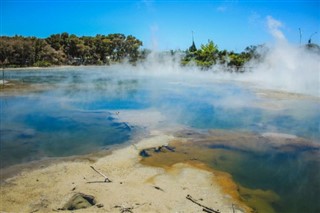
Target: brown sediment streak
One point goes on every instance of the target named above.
(231, 188)
(225, 181)
(14, 87)
(193, 156)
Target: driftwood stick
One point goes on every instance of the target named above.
(106, 179)
(205, 208)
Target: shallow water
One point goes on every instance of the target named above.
(274, 174)
(35, 127)
(293, 175)
(71, 111)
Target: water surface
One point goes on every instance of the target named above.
(73, 111)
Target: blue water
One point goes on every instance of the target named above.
(69, 111)
(293, 173)
(34, 127)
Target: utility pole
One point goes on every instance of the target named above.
(309, 41)
(300, 35)
(192, 36)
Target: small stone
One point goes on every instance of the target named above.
(100, 205)
(144, 153)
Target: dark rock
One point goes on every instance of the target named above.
(158, 149)
(100, 205)
(144, 153)
(79, 201)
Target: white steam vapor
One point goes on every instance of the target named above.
(274, 28)
(288, 68)
(285, 66)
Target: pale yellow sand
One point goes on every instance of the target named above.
(133, 185)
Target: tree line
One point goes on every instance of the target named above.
(209, 55)
(65, 49)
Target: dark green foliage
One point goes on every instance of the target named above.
(193, 47)
(42, 64)
(59, 49)
(207, 55)
(210, 55)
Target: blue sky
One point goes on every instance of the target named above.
(166, 24)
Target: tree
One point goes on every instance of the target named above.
(68, 49)
(236, 60)
(132, 46)
(192, 48)
(55, 41)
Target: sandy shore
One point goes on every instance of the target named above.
(135, 187)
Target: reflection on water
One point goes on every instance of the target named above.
(71, 111)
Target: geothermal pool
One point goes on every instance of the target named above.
(61, 112)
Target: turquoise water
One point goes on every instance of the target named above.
(292, 172)
(71, 112)
(36, 127)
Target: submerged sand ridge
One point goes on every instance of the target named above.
(135, 187)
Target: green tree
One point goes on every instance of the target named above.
(207, 55)
(55, 41)
(236, 60)
(66, 49)
(132, 46)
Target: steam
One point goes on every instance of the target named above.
(188, 96)
(274, 28)
(285, 66)
(160, 93)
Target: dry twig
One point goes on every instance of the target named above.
(205, 208)
(106, 179)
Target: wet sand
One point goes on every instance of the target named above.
(135, 186)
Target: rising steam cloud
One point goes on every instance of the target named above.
(284, 66)
(274, 28)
